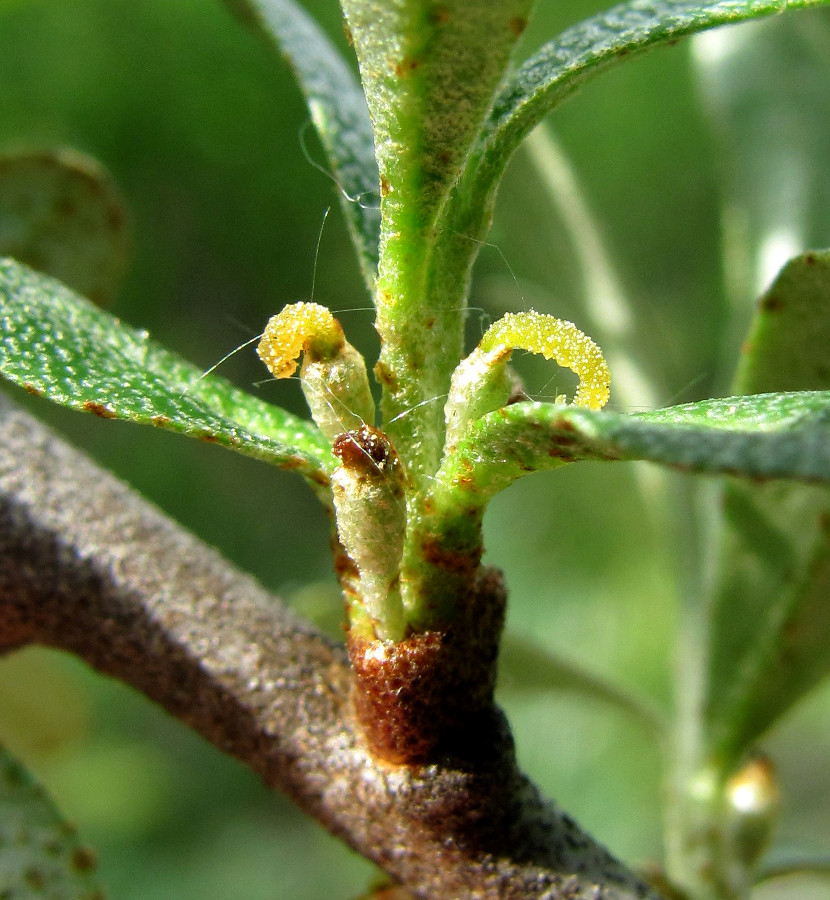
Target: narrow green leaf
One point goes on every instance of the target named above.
(40, 855)
(61, 213)
(429, 71)
(338, 111)
(566, 63)
(525, 666)
(769, 436)
(770, 617)
(59, 345)
(763, 436)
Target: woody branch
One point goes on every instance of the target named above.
(88, 566)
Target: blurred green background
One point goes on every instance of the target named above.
(202, 129)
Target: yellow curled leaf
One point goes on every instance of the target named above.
(558, 340)
(300, 328)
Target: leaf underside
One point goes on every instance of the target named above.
(56, 344)
(61, 213)
(770, 616)
(40, 855)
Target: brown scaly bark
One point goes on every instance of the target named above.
(89, 566)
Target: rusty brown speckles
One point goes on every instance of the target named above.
(436, 554)
(518, 25)
(31, 389)
(385, 187)
(772, 303)
(433, 691)
(160, 421)
(406, 66)
(99, 409)
(320, 478)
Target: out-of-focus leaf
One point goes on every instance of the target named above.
(525, 666)
(788, 347)
(765, 87)
(770, 619)
(55, 343)
(61, 214)
(40, 856)
(338, 111)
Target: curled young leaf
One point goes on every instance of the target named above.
(558, 340)
(333, 374)
(482, 382)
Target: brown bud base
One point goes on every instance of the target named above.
(432, 693)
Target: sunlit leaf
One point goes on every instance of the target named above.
(768, 436)
(40, 855)
(59, 345)
(338, 111)
(770, 619)
(61, 214)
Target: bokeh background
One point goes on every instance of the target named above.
(699, 177)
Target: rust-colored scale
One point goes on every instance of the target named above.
(432, 693)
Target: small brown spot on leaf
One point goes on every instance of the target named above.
(772, 303)
(320, 478)
(160, 421)
(518, 25)
(83, 860)
(384, 186)
(34, 879)
(386, 377)
(406, 66)
(99, 409)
